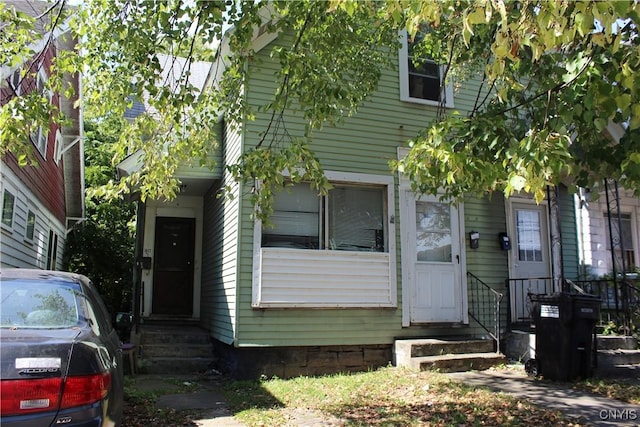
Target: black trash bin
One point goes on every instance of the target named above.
(565, 334)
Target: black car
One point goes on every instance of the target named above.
(60, 357)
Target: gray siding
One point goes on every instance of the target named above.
(15, 249)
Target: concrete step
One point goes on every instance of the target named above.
(438, 346)
(174, 348)
(447, 355)
(173, 335)
(610, 358)
(177, 350)
(614, 342)
(458, 362)
(174, 365)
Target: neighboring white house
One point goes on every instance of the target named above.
(596, 254)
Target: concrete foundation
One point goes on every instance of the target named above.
(520, 346)
(289, 362)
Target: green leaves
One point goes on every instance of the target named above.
(551, 79)
(268, 171)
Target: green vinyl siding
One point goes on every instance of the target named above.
(569, 233)
(489, 263)
(220, 251)
(364, 143)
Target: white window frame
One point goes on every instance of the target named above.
(40, 138)
(8, 227)
(59, 147)
(288, 288)
(632, 224)
(323, 218)
(52, 250)
(403, 57)
(27, 238)
(15, 80)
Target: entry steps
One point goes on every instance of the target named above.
(446, 355)
(618, 353)
(171, 349)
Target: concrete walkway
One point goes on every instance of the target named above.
(207, 398)
(587, 408)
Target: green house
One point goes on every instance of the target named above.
(332, 282)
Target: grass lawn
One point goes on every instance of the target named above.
(385, 397)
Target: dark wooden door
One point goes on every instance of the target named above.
(173, 266)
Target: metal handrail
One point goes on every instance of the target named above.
(620, 300)
(519, 290)
(485, 302)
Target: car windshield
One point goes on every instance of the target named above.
(38, 304)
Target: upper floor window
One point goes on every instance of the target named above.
(40, 136)
(421, 79)
(349, 218)
(15, 81)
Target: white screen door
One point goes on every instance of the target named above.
(434, 248)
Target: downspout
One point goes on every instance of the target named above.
(555, 237)
(141, 209)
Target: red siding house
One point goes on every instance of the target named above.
(41, 202)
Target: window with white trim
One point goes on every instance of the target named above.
(40, 136)
(15, 81)
(31, 226)
(331, 251)
(59, 147)
(8, 208)
(350, 218)
(421, 79)
(622, 240)
(52, 251)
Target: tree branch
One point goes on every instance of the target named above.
(284, 87)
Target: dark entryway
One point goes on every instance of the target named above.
(173, 266)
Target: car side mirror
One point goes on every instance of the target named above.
(124, 320)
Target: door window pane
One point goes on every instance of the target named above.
(433, 231)
(356, 219)
(528, 234)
